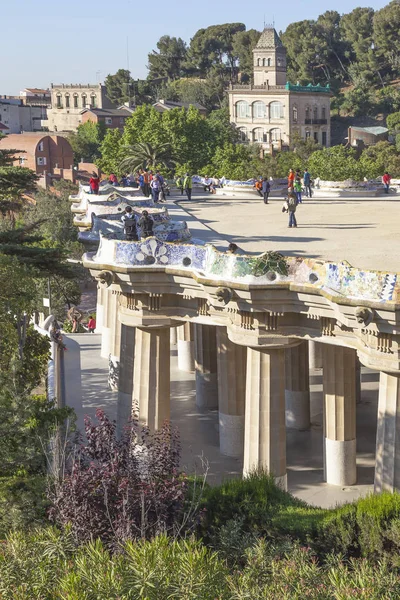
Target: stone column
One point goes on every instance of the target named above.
(231, 360)
(115, 342)
(99, 308)
(173, 336)
(265, 430)
(339, 389)
(125, 379)
(205, 344)
(107, 323)
(387, 460)
(358, 380)
(151, 376)
(185, 336)
(315, 355)
(297, 387)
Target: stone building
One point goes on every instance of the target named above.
(111, 118)
(272, 111)
(40, 152)
(68, 101)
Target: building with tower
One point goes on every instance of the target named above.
(271, 111)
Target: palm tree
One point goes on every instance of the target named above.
(147, 156)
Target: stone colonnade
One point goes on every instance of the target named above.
(258, 392)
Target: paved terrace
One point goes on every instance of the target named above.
(364, 232)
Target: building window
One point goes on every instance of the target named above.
(242, 109)
(276, 110)
(258, 62)
(315, 113)
(263, 62)
(269, 62)
(93, 101)
(258, 135)
(108, 120)
(21, 161)
(41, 161)
(259, 110)
(66, 101)
(275, 135)
(243, 134)
(58, 101)
(75, 101)
(316, 136)
(307, 113)
(308, 135)
(295, 114)
(83, 100)
(323, 113)
(324, 138)
(40, 147)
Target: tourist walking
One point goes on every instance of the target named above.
(290, 207)
(145, 224)
(298, 190)
(141, 183)
(188, 184)
(179, 184)
(307, 183)
(94, 183)
(146, 179)
(386, 179)
(91, 324)
(266, 188)
(291, 177)
(129, 221)
(155, 189)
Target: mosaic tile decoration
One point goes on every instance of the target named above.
(112, 227)
(336, 279)
(116, 206)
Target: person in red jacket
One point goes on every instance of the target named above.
(91, 324)
(386, 179)
(94, 184)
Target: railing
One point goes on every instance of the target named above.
(316, 121)
(251, 86)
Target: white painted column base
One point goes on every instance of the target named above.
(340, 462)
(173, 336)
(315, 355)
(231, 435)
(281, 482)
(297, 410)
(105, 342)
(206, 390)
(186, 356)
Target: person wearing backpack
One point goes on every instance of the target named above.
(298, 189)
(145, 225)
(129, 221)
(290, 207)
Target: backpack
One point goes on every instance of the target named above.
(130, 226)
(291, 204)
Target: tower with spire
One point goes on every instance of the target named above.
(269, 59)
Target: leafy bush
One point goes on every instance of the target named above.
(120, 489)
(23, 502)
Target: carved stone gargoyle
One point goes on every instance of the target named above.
(224, 295)
(106, 278)
(364, 315)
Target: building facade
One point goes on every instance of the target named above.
(272, 112)
(41, 153)
(111, 118)
(68, 101)
(18, 116)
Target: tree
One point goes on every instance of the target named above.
(243, 45)
(233, 161)
(86, 141)
(14, 183)
(386, 25)
(168, 61)
(356, 29)
(119, 87)
(110, 152)
(335, 164)
(145, 156)
(377, 159)
(393, 122)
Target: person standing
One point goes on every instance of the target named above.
(298, 189)
(188, 184)
(94, 183)
(386, 179)
(266, 188)
(113, 179)
(146, 179)
(155, 189)
(141, 183)
(179, 184)
(290, 207)
(129, 221)
(145, 224)
(258, 185)
(91, 324)
(291, 179)
(307, 183)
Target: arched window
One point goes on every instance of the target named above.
(269, 62)
(259, 110)
(93, 101)
(258, 135)
(275, 135)
(258, 62)
(315, 113)
(66, 100)
(276, 110)
(58, 100)
(323, 113)
(307, 113)
(76, 101)
(242, 109)
(83, 100)
(308, 134)
(243, 134)
(263, 62)
(295, 114)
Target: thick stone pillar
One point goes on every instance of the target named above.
(108, 319)
(339, 389)
(151, 376)
(99, 308)
(186, 348)
(358, 380)
(387, 460)
(297, 387)
(315, 355)
(265, 430)
(173, 336)
(125, 379)
(231, 360)
(205, 343)
(115, 343)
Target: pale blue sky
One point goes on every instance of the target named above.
(81, 41)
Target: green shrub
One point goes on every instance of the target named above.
(299, 522)
(377, 515)
(338, 532)
(22, 502)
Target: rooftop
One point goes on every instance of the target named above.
(169, 104)
(108, 112)
(269, 39)
(372, 130)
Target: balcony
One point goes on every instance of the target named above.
(316, 121)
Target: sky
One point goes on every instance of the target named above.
(82, 41)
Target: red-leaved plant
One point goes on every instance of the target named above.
(127, 488)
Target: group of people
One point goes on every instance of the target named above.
(296, 181)
(185, 183)
(131, 225)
